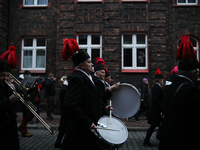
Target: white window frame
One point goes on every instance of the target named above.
(186, 3)
(35, 3)
(196, 48)
(134, 48)
(33, 48)
(89, 46)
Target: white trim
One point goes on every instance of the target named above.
(134, 48)
(186, 3)
(35, 4)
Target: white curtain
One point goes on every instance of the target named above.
(29, 2)
(40, 59)
(42, 2)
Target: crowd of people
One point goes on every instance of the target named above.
(84, 100)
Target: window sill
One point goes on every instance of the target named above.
(193, 5)
(135, 71)
(132, 1)
(34, 71)
(28, 7)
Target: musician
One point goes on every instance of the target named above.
(82, 102)
(63, 122)
(181, 124)
(99, 80)
(27, 114)
(156, 108)
(8, 125)
(108, 80)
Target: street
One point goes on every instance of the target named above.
(43, 140)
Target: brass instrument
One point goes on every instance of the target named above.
(28, 104)
(63, 78)
(29, 93)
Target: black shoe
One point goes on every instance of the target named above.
(148, 144)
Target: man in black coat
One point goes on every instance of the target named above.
(156, 108)
(8, 126)
(83, 105)
(181, 123)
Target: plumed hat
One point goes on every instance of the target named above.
(10, 58)
(70, 49)
(186, 55)
(174, 70)
(158, 74)
(100, 65)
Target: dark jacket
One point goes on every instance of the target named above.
(157, 105)
(105, 93)
(8, 126)
(145, 94)
(83, 104)
(49, 87)
(181, 128)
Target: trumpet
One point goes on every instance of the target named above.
(27, 104)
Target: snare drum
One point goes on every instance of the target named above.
(109, 139)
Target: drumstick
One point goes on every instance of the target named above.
(106, 129)
(110, 113)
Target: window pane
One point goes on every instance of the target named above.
(27, 59)
(42, 2)
(127, 39)
(40, 42)
(40, 59)
(94, 55)
(28, 42)
(194, 43)
(127, 57)
(95, 39)
(191, 1)
(141, 58)
(181, 1)
(140, 39)
(82, 39)
(29, 2)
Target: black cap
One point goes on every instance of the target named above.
(99, 67)
(26, 72)
(187, 65)
(80, 57)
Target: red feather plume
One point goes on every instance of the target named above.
(10, 56)
(100, 61)
(70, 47)
(174, 70)
(185, 50)
(158, 71)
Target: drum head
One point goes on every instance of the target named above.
(125, 101)
(114, 137)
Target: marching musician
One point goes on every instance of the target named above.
(99, 80)
(82, 102)
(8, 125)
(181, 114)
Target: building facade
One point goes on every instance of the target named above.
(134, 37)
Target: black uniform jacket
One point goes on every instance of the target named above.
(182, 129)
(157, 105)
(8, 125)
(105, 93)
(83, 105)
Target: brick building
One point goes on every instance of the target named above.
(134, 37)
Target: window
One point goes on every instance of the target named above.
(194, 43)
(33, 54)
(187, 2)
(92, 44)
(35, 2)
(134, 51)
(89, 0)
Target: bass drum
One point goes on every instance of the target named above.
(125, 101)
(109, 139)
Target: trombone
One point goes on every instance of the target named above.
(27, 104)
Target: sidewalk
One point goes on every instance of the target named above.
(131, 124)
